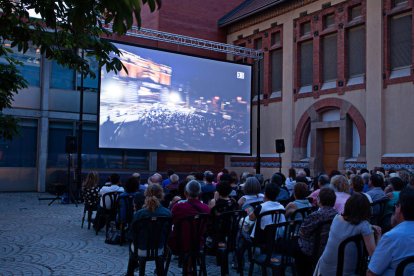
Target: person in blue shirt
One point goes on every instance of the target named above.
(398, 243)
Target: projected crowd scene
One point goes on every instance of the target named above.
(169, 101)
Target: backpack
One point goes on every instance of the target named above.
(113, 235)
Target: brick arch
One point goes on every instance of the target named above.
(302, 128)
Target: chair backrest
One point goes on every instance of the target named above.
(403, 264)
(189, 234)
(110, 201)
(301, 214)
(206, 197)
(361, 256)
(378, 208)
(225, 227)
(321, 237)
(150, 235)
(126, 208)
(276, 216)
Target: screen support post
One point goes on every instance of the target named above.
(79, 137)
(258, 157)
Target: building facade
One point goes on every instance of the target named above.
(49, 109)
(336, 82)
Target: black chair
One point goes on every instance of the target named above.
(260, 239)
(378, 208)
(149, 240)
(361, 256)
(272, 252)
(206, 197)
(108, 211)
(321, 234)
(125, 214)
(403, 264)
(189, 240)
(88, 209)
(225, 228)
(301, 214)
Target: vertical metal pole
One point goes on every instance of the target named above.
(280, 161)
(258, 158)
(79, 138)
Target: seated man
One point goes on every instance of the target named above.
(185, 208)
(397, 244)
(113, 187)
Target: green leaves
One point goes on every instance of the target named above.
(64, 28)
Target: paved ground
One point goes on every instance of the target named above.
(37, 239)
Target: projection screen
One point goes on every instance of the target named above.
(171, 101)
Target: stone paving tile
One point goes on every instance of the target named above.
(37, 239)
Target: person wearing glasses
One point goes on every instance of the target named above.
(398, 243)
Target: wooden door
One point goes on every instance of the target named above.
(330, 142)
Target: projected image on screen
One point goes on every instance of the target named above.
(169, 101)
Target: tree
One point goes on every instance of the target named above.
(64, 28)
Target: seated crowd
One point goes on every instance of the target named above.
(375, 206)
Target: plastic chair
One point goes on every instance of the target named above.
(260, 236)
(361, 255)
(108, 211)
(150, 236)
(225, 228)
(378, 208)
(125, 214)
(88, 210)
(403, 264)
(301, 214)
(267, 254)
(189, 240)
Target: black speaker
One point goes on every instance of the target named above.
(280, 145)
(70, 145)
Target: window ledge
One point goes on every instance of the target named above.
(400, 72)
(276, 94)
(355, 80)
(328, 85)
(305, 89)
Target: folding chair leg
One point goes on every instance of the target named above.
(83, 219)
(264, 270)
(159, 265)
(142, 264)
(132, 264)
(89, 219)
(167, 262)
(251, 267)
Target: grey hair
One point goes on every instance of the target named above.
(193, 189)
(174, 178)
(365, 177)
(252, 186)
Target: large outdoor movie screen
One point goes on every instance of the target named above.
(170, 101)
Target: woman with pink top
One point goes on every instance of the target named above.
(341, 187)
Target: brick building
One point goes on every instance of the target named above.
(336, 82)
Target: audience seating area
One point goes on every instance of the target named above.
(267, 244)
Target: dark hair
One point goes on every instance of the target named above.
(114, 178)
(323, 180)
(271, 191)
(224, 189)
(225, 177)
(300, 190)
(226, 171)
(377, 180)
(209, 176)
(357, 183)
(364, 170)
(131, 185)
(282, 176)
(170, 172)
(307, 171)
(397, 183)
(302, 179)
(357, 209)
(277, 179)
(406, 202)
(199, 176)
(292, 173)
(327, 197)
(333, 173)
(234, 177)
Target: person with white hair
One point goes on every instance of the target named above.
(156, 178)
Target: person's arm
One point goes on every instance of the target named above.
(212, 203)
(369, 241)
(241, 201)
(370, 273)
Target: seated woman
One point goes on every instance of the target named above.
(252, 193)
(152, 206)
(341, 187)
(90, 190)
(300, 192)
(126, 200)
(221, 201)
(353, 221)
